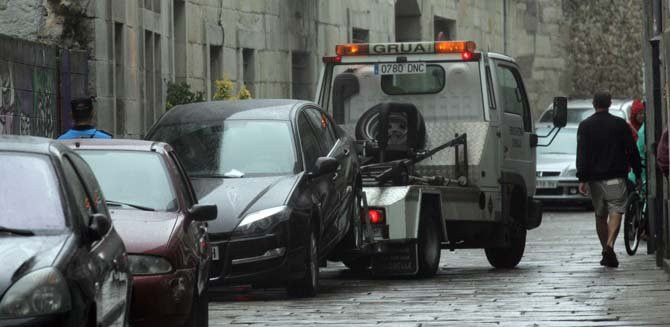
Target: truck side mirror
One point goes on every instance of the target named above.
(560, 112)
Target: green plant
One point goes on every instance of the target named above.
(180, 93)
(225, 89)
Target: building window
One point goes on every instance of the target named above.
(302, 76)
(215, 65)
(444, 29)
(359, 35)
(179, 21)
(248, 72)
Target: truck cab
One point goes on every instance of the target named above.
(447, 150)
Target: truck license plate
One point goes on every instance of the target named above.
(215, 253)
(400, 68)
(400, 259)
(546, 184)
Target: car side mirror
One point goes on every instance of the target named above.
(203, 212)
(325, 165)
(98, 226)
(560, 112)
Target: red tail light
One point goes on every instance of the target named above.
(376, 216)
(336, 59)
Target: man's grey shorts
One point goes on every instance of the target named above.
(608, 196)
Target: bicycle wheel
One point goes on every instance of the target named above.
(631, 224)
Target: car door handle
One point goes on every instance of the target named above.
(346, 152)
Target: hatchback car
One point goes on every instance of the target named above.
(282, 174)
(63, 263)
(164, 228)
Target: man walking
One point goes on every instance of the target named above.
(82, 114)
(605, 153)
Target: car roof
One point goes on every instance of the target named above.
(30, 144)
(267, 109)
(117, 144)
(580, 103)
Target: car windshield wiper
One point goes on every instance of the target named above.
(120, 204)
(16, 231)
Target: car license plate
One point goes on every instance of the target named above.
(546, 184)
(400, 68)
(215, 253)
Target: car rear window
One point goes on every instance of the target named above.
(133, 177)
(30, 196)
(430, 82)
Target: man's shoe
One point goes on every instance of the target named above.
(603, 260)
(610, 258)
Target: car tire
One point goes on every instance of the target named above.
(308, 285)
(509, 256)
(199, 309)
(359, 265)
(430, 247)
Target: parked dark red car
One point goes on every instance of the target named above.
(155, 211)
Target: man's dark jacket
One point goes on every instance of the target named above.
(605, 149)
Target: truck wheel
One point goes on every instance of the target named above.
(508, 257)
(429, 246)
(360, 264)
(308, 286)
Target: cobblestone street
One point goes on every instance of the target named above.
(558, 283)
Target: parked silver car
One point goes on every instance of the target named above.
(580, 109)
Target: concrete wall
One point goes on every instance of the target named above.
(36, 81)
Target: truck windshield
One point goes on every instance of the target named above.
(441, 91)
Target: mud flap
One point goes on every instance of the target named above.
(396, 259)
(534, 214)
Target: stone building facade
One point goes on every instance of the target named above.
(272, 46)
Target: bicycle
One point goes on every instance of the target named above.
(635, 219)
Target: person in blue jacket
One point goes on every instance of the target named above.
(82, 114)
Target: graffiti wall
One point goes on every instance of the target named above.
(32, 82)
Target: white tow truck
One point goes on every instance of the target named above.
(447, 151)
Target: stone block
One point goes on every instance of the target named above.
(104, 79)
(118, 10)
(230, 65)
(194, 24)
(104, 113)
(251, 39)
(103, 40)
(215, 35)
(229, 22)
(273, 66)
(196, 61)
(253, 6)
(102, 9)
(277, 33)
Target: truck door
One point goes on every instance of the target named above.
(518, 155)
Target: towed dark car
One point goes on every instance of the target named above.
(282, 176)
(63, 263)
(164, 228)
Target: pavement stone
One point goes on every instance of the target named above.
(559, 282)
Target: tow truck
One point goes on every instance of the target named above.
(447, 151)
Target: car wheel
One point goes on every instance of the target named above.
(509, 256)
(308, 286)
(430, 248)
(199, 309)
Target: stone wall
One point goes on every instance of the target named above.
(604, 46)
(36, 83)
(274, 46)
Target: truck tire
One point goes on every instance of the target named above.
(509, 256)
(429, 245)
(360, 264)
(308, 285)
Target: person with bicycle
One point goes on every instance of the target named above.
(605, 151)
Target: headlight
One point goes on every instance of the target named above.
(39, 293)
(260, 221)
(571, 172)
(148, 265)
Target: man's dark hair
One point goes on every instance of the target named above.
(82, 108)
(602, 100)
